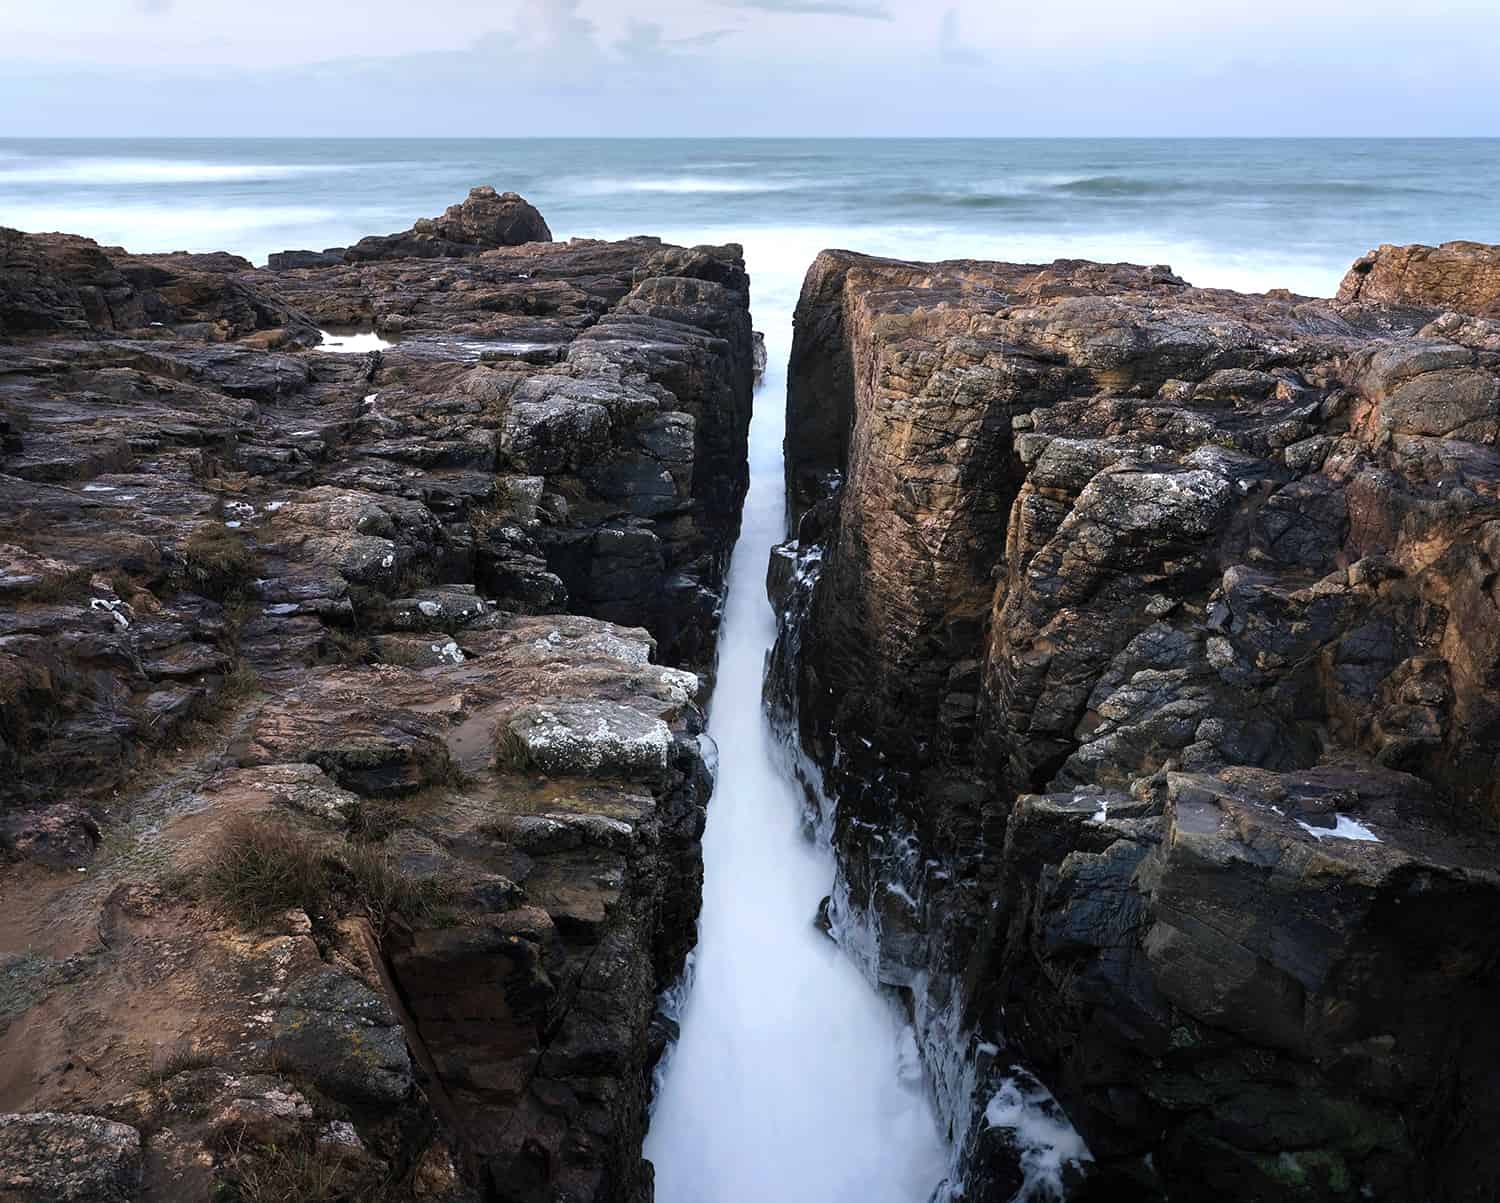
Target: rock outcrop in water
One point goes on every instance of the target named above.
(349, 706)
(1147, 636)
(483, 222)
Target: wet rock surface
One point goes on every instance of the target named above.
(426, 628)
(1145, 635)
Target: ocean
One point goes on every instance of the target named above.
(1248, 214)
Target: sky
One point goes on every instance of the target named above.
(509, 68)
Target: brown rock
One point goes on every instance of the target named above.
(484, 221)
(1464, 276)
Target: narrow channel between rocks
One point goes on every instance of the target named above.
(793, 1079)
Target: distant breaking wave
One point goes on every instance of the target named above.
(1129, 186)
(151, 171)
(1114, 185)
(963, 200)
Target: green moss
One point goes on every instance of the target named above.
(1318, 1173)
(24, 981)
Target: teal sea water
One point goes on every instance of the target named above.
(1234, 213)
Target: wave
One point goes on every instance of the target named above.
(1131, 186)
(1113, 185)
(677, 185)
(779, 254)
(115, 172)
(253, 231)
(957, 199)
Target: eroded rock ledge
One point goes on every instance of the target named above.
(1147, 636)
(421, 633)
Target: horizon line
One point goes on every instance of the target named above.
(750, 137)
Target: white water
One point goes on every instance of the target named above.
(793, 1081)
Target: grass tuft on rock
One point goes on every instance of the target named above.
(217, 562)
(263, 867)
(300, 1170)
(73, 586)
(240, 682)
(167, 1063)
(378, 888)
(372, 821)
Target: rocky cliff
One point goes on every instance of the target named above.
(350, 706)
(1146, 636)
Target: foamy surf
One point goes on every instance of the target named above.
(123, 172)
(352, 344)
(793, 1079)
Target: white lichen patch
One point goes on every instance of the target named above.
(678, 686)
(448, 652)
(591, 739)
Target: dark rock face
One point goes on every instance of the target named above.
(484, 221)
(291, 260)
(441, 608)
(61, 283)
(158, 489)
(1143, 634)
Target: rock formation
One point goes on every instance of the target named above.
(484, 221)
(1463, 276)
(350, 705)
(1147, 638)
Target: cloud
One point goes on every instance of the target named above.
(646, 40)
(952, 47)
(871, 9)
(549, 25)
(154, 8)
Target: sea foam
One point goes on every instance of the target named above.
(118, 172)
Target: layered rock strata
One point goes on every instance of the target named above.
(1146, 637)
(412, 640)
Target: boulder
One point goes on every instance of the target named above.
(50, 1158)
(1464, 276)
(486, 219)
(62, 836)
(339, 1035)
(589, 739)
(283, 261)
